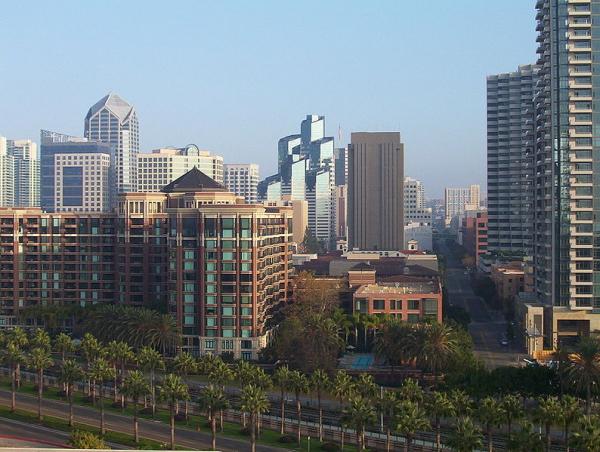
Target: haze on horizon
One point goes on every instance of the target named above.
(233, 77)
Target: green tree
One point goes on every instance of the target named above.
(512, 409)
(151, 360)
(548, 414)
(409, 420)
(172, 389)
(212, 400)
(281, 378)
(366, 387)
(254, 401)
(135, 387)
(40, 339)
(388, 405)
(584, 370)
(342, 389)
(526, 439)
(40, 360)
(70, 373)
(411, 391)
(439, 346)
(184, 364)
(319, 382)
(18, 337)
(466, 436)
(360, 414)
(92, 350)
(310, 243)
(63, 344)
(490, 415)
(101, 372)
(439, 405)
(587, 435)
(86, 440)
(220, 375)
(299, 385)
(123, 354)
(569, 414)
(13, 357)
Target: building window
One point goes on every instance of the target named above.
(413, 304)
(379, 305)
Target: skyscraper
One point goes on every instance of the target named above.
(7, 180)
(414, 203)
(112, 120)
(457, 200)
(375, 191)
(19, 173)
(510, 128)
(68, 167)
(242, 179)
(162, 166)
(566, 187)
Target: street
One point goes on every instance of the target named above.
(487, 325)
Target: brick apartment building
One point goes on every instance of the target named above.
(220, 265)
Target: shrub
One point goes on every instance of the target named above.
(330, 447)
(287, 439)
(146, 411)
(86, 440)
(245, 431)
(180, 417)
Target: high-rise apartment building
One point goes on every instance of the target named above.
(307, 172)
(68, 174)
(112, 120)
(566, 191)
(19, 173)
(220, 266)
(375, 191)
(414, 203)
(162, 166)
(242, 179)
(7, 180)
(457, 200)
(510, 128)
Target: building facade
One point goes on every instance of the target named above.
(375, 191)
(242, 179)
(221, 266)
(415, 210)
(19, 173)
(7, 179)
(162, 166)
(113, 121)
(510, 129)
(457, 200)
(55, 148)
(566, 241)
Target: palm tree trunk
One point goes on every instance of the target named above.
(102, 428)
(213, 432)
(115, 395)
(547, 426)
(122, 378)
(366, 337)
(282, 410)
(388, 440)
(13, 390)
(320, 417)
(40, 391)
(438, 434)
(70, 405)
(299, 413)
(136, 437)
(172, 421)
(490, 440)
(407, 443)
(588, 399)
(18, 377)
(567, 448)
(342, 439)
(253, 432)
(153, 391)
(221, 420)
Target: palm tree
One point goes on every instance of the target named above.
(70, 373)
(410, 419)
(220, 375)
(570, 413)
(13, 357)
(366, 387)
(299, 385)
(92, 349)
(466, 437)
(490, 415)
(172, 389)
(63, 344)
(342, 388)
(548, 414)
(40, 360)
(411, 391)
(526, 439)
(101, 372)
(562, 357)
(151, 360)
(319, 382)
(368, 322)
(512, 409)
(439, 406)
(388, 406)
(135, 387)
(184, 364)
(359, 414)
(281, 378)
(343, 323)
(587, 435)
(438, 347)
(18, 337)
(40, 339)
(212, 399)
(254, 401)
(584, 369)
(123, 353)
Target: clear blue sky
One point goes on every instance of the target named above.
(235, 76)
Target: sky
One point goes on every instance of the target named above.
(235, 76)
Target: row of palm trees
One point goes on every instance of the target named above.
(138, 375)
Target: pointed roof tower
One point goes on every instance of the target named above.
(193, 181)
(114, 103)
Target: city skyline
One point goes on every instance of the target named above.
(198, 109)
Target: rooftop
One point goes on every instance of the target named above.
(193, 181)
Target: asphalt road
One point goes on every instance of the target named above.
(154, 430)
(487, 325)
